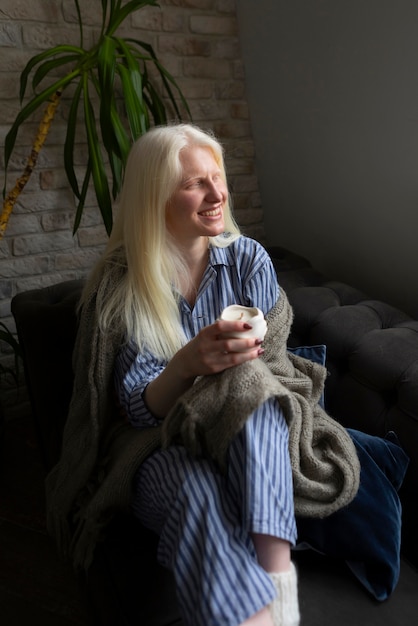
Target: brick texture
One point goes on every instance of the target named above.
(197, 40)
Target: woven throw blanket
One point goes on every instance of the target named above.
(101, 451)
(325, 465)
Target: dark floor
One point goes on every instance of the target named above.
(36, 588)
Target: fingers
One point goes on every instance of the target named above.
(225, 337)
(214, 350)
(239, 345)
(234, 336)
(230, 359)
(228, 327)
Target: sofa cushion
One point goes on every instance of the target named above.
(366, 534)
(317, 354)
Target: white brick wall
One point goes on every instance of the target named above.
(197, 40)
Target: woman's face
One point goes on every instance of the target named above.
(196, 208)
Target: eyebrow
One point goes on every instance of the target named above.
(190, 178)
(196, 176)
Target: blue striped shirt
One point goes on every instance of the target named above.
(242, 274)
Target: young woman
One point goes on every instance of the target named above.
(227, 538)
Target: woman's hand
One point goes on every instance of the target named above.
(213, 350)
(210, 352)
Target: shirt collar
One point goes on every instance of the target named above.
(220, 256)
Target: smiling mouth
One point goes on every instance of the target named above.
(211, 213)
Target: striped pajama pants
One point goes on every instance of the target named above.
(205, 519)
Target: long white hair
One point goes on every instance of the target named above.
(146, 300)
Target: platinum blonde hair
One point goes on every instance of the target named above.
(147, 299)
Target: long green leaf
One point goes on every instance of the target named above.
(97, 164)
(153, 101)
(117, 174)
(132, 90)
(114, 140)
(132, 65)
(38, 58)
(80, 22)
(44, 69)
(106, 63)
(117, 148)
(104, 14)
(70, 140)
(166, 77)
(82, 197)
(122, 13)
(155, 104)
(120, 134)
(119, 152)
(114, 7)
(133, 106)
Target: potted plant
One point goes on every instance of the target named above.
(113, 65)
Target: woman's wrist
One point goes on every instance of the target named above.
(162, 393)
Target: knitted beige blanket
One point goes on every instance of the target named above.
(101, 451)
(325, 466)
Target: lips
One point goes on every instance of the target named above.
(211, 213)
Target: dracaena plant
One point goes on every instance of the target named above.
(114, 99)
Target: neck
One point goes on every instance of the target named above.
(197, 251)
(196, 259)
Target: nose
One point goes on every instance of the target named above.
(215, 191)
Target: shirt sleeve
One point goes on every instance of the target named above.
(133, 372)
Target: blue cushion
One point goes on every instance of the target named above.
(367, 533)
(317, 354)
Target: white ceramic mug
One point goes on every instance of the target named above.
(251, 315)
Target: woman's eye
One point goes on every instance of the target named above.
(195, 183)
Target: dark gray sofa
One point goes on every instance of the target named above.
(372, 359)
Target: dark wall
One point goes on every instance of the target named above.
(333, 93)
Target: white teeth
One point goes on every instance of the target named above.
(210, 213)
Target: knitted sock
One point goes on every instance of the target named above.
(285, 607)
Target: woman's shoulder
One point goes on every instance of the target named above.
(247, 255)
(247, 248)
